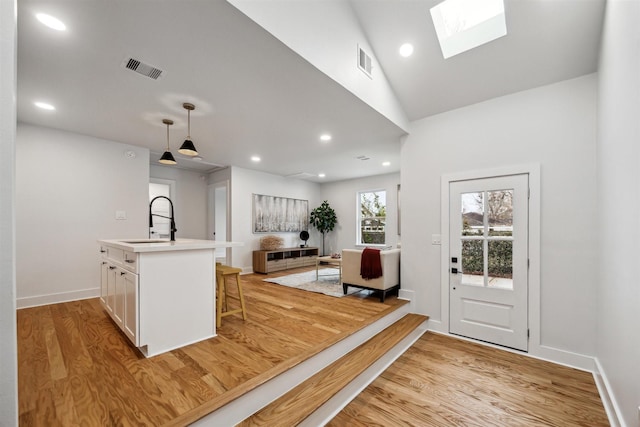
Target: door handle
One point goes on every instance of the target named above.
(454, 270)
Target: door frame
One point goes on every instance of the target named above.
(211, 212)
(533, 170)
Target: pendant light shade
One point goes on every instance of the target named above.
(187, 148)
(167, 157)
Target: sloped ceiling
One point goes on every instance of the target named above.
(256, 95)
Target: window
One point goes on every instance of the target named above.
(462, 25)
(372, 217)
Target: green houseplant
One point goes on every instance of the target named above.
(324, 219)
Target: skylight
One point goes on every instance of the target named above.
(462, 25)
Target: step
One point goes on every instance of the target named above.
(300, 403)
(237, 404)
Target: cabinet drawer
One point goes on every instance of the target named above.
(276, 264)
(309, 260)
(130, 261)
(295, 262)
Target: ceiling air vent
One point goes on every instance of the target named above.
(364, 62)
(142, 68)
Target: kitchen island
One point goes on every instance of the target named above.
(160, 293)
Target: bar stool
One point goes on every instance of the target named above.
(223, 272)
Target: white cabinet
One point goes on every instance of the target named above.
(161, 294)
(119, 290)
(130, 321)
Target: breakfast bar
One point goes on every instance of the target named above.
(160, 293)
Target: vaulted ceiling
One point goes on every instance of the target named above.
(256, 96)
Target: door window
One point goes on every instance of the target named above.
(487, 238)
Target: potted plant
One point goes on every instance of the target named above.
(324, 219)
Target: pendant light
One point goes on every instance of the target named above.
(187, 148)
(167, 157)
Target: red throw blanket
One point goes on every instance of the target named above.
(370, 266)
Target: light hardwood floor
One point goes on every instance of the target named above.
(443, 381)
(76, 368)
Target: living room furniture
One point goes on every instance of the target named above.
(224, 272)
(283, 259)
(388, 282)
(331, 261)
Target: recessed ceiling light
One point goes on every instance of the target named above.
(255, 159)
(406, 50)
(321, 175)
(462, 25)
(325, 137)
(44, 105)
(51, 22)
(386, 163)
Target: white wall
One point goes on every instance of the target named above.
(190, 201)
(342, 197)
(68, 188)
(554, 126)
(244, 183)
(618, 314)
(327, 33)
(8, 348)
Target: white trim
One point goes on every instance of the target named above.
(328, 410)
(533, 170)
(237, 410)
(358, 218)
(609, 402)
(57, 298)
(408, 295)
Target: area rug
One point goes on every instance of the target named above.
(328, 282)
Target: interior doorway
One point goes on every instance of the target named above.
(218, 218)
(488, 259)
(161, 207)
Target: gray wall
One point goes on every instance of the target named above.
(190, 201)
(618, 201)
(68, 188)
(554, 126)
(246, 182)
(8, 348)
(342, 196)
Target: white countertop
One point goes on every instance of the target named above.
(164, 245)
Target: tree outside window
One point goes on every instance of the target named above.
(372, 217)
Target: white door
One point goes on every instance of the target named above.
(218, 217)
(488, 260)
(161, 210)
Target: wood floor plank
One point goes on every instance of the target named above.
(75, 367)
(446, 381)
(300, 402)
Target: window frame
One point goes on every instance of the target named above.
(359, 217)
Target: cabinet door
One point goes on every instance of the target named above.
(131, 307)
(104, 273)
(111, 287)
(118, 309)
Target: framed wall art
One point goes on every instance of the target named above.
(279, 214)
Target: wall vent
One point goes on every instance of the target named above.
(142, 68)
(364, 62)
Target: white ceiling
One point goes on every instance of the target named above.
(254, 96)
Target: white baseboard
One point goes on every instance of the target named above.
(408, 295)
(57, 298)
(608, 399)
(565, 358)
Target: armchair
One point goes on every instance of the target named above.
(389, 281)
